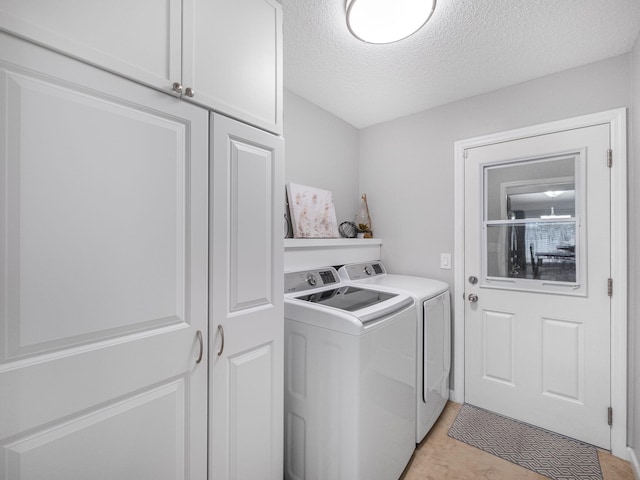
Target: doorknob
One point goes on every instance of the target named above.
(473, 298)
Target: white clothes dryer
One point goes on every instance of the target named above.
(433, 334)
(349, 379)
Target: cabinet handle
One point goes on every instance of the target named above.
(189, 92)
(177, 87)
(199, 337)
(221, 330)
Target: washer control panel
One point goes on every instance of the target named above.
(310, 279)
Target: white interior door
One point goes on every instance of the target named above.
(103, 275)
(537, 264)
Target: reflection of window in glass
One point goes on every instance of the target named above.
(530, 220)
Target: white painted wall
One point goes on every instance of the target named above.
(322, 152)
(634, 274)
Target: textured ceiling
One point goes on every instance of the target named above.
(468, 47)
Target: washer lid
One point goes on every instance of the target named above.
(366, 304)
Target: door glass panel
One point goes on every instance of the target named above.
(530, 189)
(532, 250)
(531, 222)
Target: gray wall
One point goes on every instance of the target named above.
(321, 152)
(634, 274)
(406, 167)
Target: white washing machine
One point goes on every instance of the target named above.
(349, 379)
(433, 313)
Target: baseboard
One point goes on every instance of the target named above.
(633, 459)
(454, 398)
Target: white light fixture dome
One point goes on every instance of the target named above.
(387, 21)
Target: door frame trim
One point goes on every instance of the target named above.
(617, 120)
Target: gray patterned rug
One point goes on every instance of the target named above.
(547, 453)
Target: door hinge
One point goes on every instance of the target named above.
(610, 287)
(609, 158)
(610, 416)
(466, 153)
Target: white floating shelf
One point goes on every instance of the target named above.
(304, 253)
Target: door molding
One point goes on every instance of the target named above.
(617, 120)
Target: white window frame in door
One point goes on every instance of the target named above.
(617, 120)
(579, 286)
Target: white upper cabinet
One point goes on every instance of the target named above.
(141, 39)
(232, 58)
(222, 54)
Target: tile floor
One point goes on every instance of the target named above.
(440, 457)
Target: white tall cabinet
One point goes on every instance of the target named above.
(103, 274)
(138, 230)
(246, 306)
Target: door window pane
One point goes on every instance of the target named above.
(533, 250)
(530, 219)
(530, 189)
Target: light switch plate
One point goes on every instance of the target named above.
(445, 261)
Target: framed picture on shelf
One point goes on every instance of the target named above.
(313, 214)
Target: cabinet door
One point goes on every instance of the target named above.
(246, 303)
(139, 39)
(103, 274)
(233, 58)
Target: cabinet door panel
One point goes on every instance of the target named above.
(68, 450)
(103, 274)
(140, 39)
(246, 301)
(251, 221)
(251, 420)
(233, 58)
(72, 184)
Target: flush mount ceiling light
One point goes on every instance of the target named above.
(387, 21)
